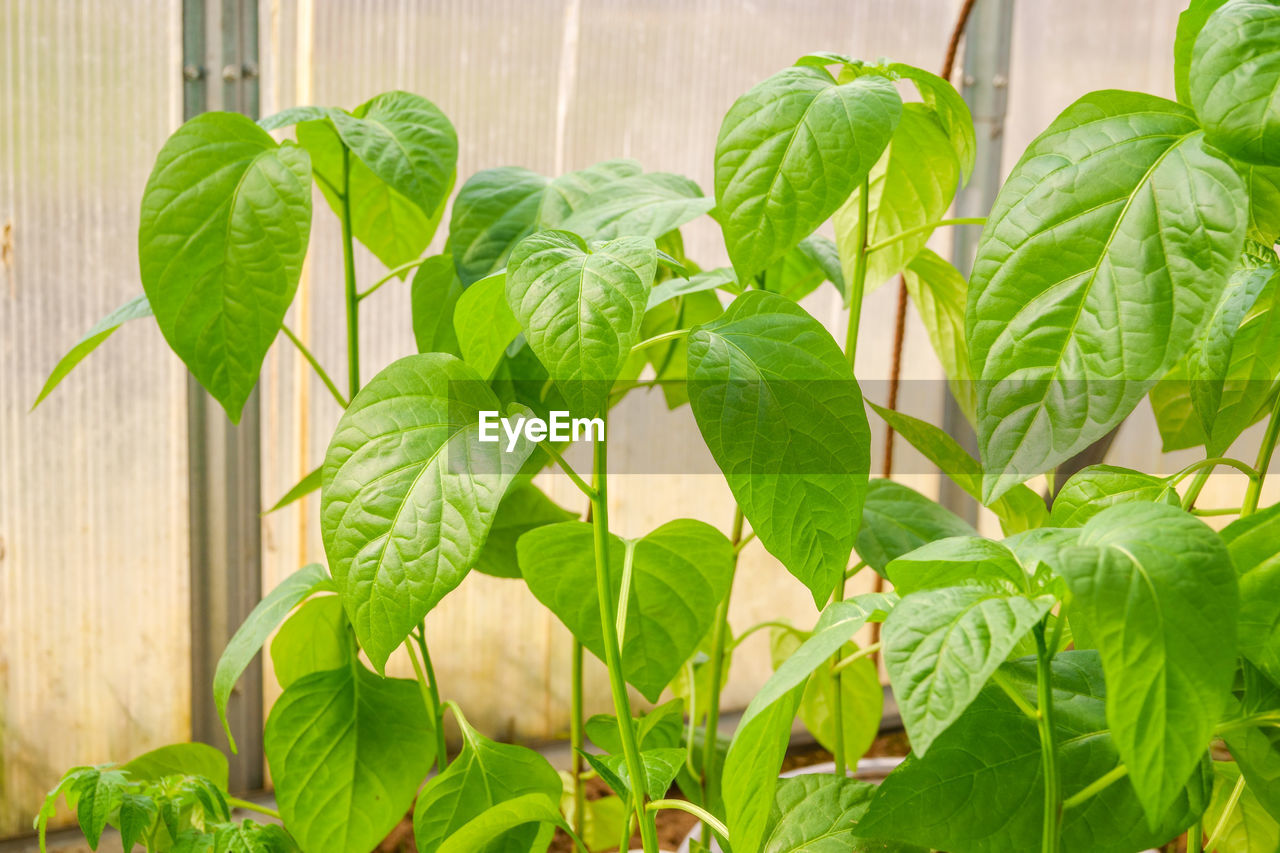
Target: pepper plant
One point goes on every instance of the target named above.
(1103, 678)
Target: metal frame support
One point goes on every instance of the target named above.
(220, 71)
(987, 43)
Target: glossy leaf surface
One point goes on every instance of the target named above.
(1235, 72)
(897, 519)
(1097, 487)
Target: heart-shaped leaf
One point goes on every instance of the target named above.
(679, 574)
(409, 494)
(782, 415)
(313, 639)
(494, 210)
(226, 216)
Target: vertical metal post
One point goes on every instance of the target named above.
(986, 91)
(220, 71)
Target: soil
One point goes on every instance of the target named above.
(673, 826)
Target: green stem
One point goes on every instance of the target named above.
(1049, 842)
(710, 756)
(837, 689)
(568, 469)
(612, 649)
(1234, 800)
(1195, 837)
(349, 271)
(1211, 463)
(1097, 786)
(760, 626)
(864, 652)
(911, 232)
(1003, 682)
(702, 814)
(1196, 487)
(392, 273)
(237, 803)
(433, 690)
(1264, 461)
(858, 284)
(315, 365)
(577, 741)
(657, 339)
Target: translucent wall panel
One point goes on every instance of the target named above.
(555, 85)
(93, 491)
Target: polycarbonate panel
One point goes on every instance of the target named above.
(556, 85)
(93, 490)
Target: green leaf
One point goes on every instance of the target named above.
(670, 361)
(782, 415)
(485, 774)
(1235, 71)
(581, 309)
(942, 645)
(961, 561)
(1264, 202)
(250, 837)
(808, 264)
(347, 751)
(434, 296)
(661, 766)
(494, 210)
(226, 216)
(790, 152)
(98, 794)
(570, 191)
(662, 727)
(720, 277)
(313, 639)
(135, 309)
(265, 617)
(680, 572)
(897, 519)
(48, 809)
(180, 759)
(645, 205)
(1248, 828)
(308, 484)
(1095, 269)
(861, 694)
(524, 508)
(1244, 394)
(980, 789)
(939, 291)
(948, 107)
(1018, 509)
(1093, 489)
(760, 741)
(1152, 571)
(912, 185)
(135, 817)
(1251, 542)
(502, 818)
(484, 325)
(603, 818)
(1190, 23)
(818, 813)
(409, 494)
(1176, 417)
(1256, 749)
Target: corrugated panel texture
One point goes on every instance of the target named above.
(93, 519)
(555, 85)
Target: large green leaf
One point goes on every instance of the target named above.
(1093, 489)
(861, 694)
(679, 574)
(897, 519)
(817, 813)
(645, 205)
(135, 309)
(570, 191)
(1096, 269)
(980, 788)
(433, 297)
(1176, 417)
(779, 409)
(790, 152)
(1248, 827)
(949, 108)
(911, 186)
(180, 759)
(409, 494)
(962, 561)
(496, 822)
(485, 774)
(581, 309)
(313, 639)
(941, 645)
(1018, 509)
(1190, 23)
(524, 508)
(939, 292)
(1251, 542)
(1235, 72)
(1152, 571)
(483, 323)
(226, 216)
(347, 750)
(265, 617)
(494, 210)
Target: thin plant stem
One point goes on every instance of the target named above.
(691, 674)
(702, 814)
(929, 226)
(710, 756)
(1265, 452)
(657, 339)
(315, 365)
(1050, 840)
(392, 273)
(744, 542)
(577, 741)
(1196, 487)
(433, 689)
(1234, 800)
(1097, 786)
(837, 693)
(760, 626)
(1195, 837)
(1002, 681)
(866, 651)
(613, 651)
(349, 271)
(568, 469)
(237, 803)
(1211, 463)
